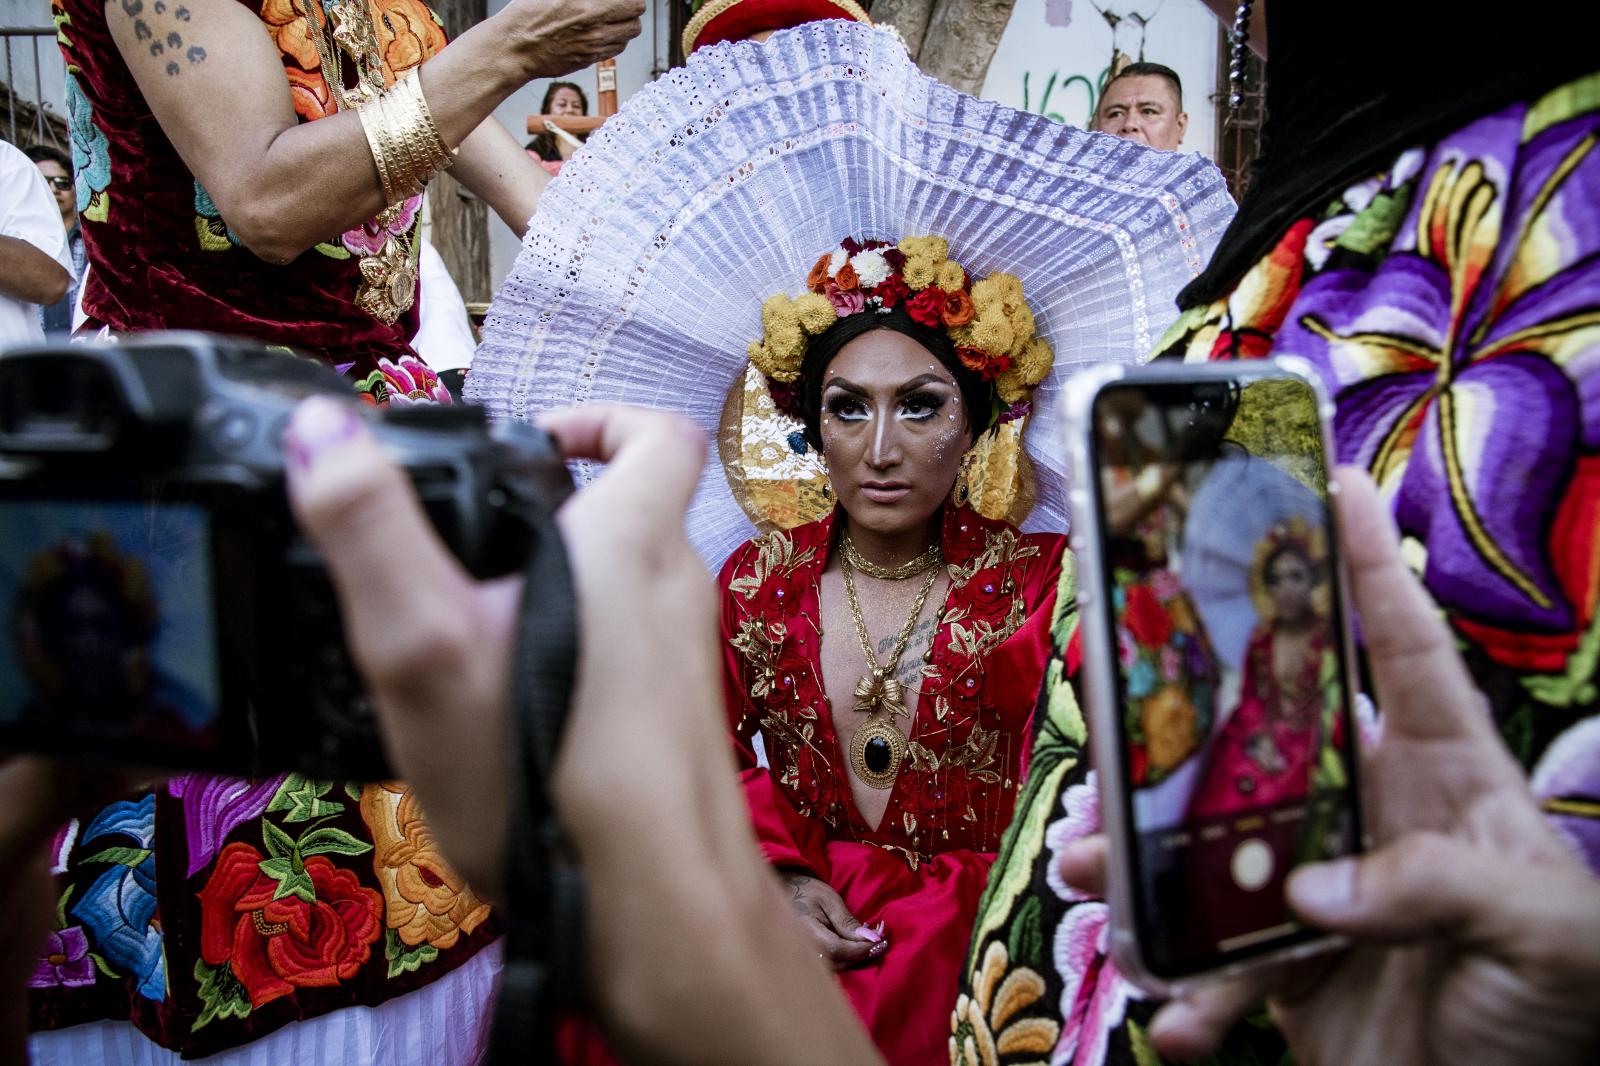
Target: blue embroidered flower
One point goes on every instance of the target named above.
(119, 908)
(91, 155)
(797, 442)
(214, 233)
(1142, 679)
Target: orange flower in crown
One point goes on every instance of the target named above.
(987, 320)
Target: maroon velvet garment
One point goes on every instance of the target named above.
(161, 256)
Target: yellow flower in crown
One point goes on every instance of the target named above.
(988, 320)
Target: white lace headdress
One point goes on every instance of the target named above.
(643, 272)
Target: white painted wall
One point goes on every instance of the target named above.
(1057, 69)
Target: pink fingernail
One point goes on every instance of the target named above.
(866, 932)
(879, 928)
(317, 424)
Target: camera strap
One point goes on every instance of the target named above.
(542, 975)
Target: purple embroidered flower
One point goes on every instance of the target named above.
(213, 807)
(411, 381)
(1567, 782)
(1081, 802)
(1463, 369)
(65, 962)
(370, 237)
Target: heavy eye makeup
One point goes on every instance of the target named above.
(916, 401)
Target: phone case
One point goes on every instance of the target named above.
(1099, 689)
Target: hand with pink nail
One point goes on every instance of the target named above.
(644, 780)
(840, 938)
(1475, 929)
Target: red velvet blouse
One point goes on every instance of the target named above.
(958, 786)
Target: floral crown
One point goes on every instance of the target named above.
(1296, 534)
(991, 326)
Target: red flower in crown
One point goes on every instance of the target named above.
(927, 307)
(891, 292)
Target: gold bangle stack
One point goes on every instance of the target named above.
(405, 144)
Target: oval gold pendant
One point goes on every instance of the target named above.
(876, 752)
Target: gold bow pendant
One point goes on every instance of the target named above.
(876, 690)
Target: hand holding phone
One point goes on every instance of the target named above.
(1215, 658)
(1469, 910)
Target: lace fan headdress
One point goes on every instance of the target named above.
(644, 272)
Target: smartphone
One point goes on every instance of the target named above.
(1217, 661)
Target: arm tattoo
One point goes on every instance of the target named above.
(798, 882)
(161, 44)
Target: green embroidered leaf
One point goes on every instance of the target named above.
(302, 798)
(333, 251)
(120, 856)
(102, 965)
(61, 908)
(331, 841)
(403, 959)
(221, 994)
(1065, 714)
(1376, 225)
(1026, 943)
(290, 873)
(1576, 687)
(353, 790)
(1144, 1054)
(279, 844)
(1518, 733)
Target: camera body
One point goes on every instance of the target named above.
(161, 608)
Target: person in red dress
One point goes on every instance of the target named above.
(885, 658)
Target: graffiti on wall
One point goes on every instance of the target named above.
(1074, 95)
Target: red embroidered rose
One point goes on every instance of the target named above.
(1150, 625)
(957, 309)
(274, 946)
(927, 307)
(892, 291)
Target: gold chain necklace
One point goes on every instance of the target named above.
(920, 565)
(879, 747)
(389, 275)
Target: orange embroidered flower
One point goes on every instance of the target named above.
(846, 279)
(957, 309)
(424, 900)
(407, 34)
(817, 280)
(290, 33)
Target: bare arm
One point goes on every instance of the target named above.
(213, 78)
(29, 275)
(496, 168)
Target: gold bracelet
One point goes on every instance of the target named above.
(445, 154)
(372, 125)
(404, 160)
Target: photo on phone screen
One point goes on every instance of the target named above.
(1231, 685)
(109, 622)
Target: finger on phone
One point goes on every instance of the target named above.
(1083, 865)
(1194, 1025)
(1423, 687)
(842, 953)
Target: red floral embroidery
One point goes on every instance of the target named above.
(1150, 625)
(277, 945)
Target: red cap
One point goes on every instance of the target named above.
(733, 20)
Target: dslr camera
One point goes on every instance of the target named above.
(160, 607)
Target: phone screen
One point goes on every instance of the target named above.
(110, 626)
(1232, 690)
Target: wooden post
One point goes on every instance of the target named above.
(460, 221)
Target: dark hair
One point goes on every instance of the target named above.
(1158, 70)
(46, 153)
(545, 143)
(976, 391)
(1291, 548)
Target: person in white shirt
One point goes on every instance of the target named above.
(35, 266)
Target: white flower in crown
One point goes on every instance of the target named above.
(840, 257)
(872, 268)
